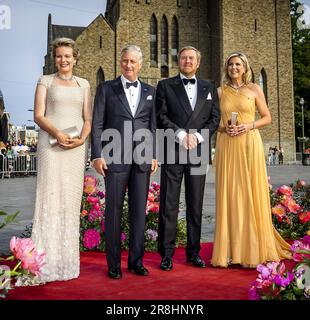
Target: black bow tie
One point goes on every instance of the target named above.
(186, 81)
(129, 84)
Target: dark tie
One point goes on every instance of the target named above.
(129, 84)
(186, 81)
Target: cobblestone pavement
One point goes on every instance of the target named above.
(19, 194)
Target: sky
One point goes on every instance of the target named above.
(24, 44)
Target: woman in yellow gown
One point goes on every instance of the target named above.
(244, 233)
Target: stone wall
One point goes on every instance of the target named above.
(262, 31)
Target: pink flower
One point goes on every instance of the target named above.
(96, 206)
(90, 184)
(304, 217)
(155, 186)
(285, 190)
(24, 250)
(278, 210)
(284, 281)
(151, 197)
(84, 213)
(91, 239)
(300, 184)
(123, 237)
(291, 205)
(92, 200)
(94, 214)
(153, 207)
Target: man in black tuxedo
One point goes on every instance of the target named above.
(122, 108)
(184, 104)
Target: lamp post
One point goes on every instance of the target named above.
(302, 102)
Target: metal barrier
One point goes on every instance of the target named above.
(17, 166)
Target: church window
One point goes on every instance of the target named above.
(100, 76)
(153, 41)
(263, 82)
(174, 40)
(164, 41)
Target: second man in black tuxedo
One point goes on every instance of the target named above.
(125, 102)
(184, 103)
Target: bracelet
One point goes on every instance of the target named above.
(253, 125)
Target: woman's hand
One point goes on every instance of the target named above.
(243, 128)
(62, 138)
(231, 130)
(72, 143)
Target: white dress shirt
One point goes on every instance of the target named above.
(191, 91)
(132, 94)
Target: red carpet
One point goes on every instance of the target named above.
(184, 282)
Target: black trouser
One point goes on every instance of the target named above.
(116, 184)
(171, 180)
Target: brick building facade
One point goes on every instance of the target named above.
(260, 29)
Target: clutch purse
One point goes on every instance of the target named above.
(72, 132)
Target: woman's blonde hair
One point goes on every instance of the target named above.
(246, 77)
(66, 42)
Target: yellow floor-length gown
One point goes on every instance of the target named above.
(244, 233)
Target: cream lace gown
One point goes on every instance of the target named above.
(60, 184)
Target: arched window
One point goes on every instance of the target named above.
(174, 40)
(263, 82)
(100, 76)
(153, 41)
(164, 42)
(164, 72)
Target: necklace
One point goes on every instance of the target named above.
(237, 87)
(64, 78)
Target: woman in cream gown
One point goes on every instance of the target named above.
(244, 232)
(61, 101)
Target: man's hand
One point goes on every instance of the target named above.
(100, 166)
(190, 141)
(154, 166)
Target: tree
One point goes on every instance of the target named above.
(301, 67)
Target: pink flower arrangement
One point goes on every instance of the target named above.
(92, 219)
(290, 208)
(29, 265)
(24, 250)
(275, 281)
(91, 239)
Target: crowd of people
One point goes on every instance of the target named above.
(275, 156)
(193, 109)
(16, 158)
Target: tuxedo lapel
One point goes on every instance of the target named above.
(143, 95)
(202, 94)
(120, 93)
(180, 92)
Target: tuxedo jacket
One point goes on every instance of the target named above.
(112, 111)
(175, 112)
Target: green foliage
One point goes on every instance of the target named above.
(8, 219)
(301, 67)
